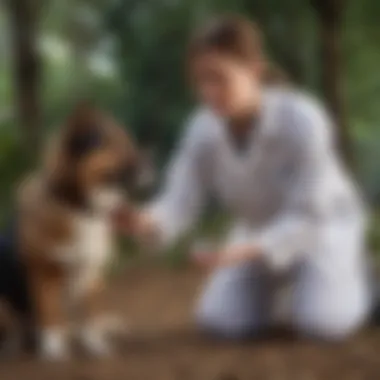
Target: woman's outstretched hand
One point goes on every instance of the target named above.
(124, 219)
(146, 230)
(139, 225)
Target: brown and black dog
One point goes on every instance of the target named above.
(65, 229)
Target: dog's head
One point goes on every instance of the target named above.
(93, 162)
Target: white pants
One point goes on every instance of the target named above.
(330, 297)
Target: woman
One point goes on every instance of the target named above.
(268, 155)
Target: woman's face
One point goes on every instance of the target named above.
(227, 85)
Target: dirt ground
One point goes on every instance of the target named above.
(163, 344)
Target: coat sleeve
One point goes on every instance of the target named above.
(291, 234)
(180, 201)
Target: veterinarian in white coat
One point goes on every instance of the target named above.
(269, 157)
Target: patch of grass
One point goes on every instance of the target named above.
(212, 226)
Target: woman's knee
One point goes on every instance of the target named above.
(231, 305)
(225, 326)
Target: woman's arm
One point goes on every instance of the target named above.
(180, 201)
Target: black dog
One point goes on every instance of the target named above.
(14, 289)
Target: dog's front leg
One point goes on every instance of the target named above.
(92, 332)
(48, 289)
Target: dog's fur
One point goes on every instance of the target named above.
(65, 230)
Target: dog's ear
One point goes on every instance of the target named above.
(82, 132)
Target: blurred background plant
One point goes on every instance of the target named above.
(128, 57)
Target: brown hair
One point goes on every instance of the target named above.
(238, 37)
(232, 35)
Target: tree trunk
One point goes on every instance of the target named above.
(330, 14)
(26, 65)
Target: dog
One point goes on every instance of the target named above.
(65, 236)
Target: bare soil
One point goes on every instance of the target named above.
(164, 345)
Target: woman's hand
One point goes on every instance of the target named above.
(124, 219)
(224, 258)
(137, 224)
(146, 229)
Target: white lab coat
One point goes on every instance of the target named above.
(289, 194)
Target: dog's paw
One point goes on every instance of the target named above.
(54, 344)
(94, 341)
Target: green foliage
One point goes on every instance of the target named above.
(152, 37)
(13, 164)
(128, 57)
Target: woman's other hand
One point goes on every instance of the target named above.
(210, 259)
